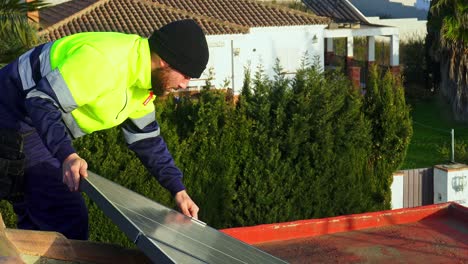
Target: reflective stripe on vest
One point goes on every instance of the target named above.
(141, 123)
(25, 71)
(73, 129)
(131, 137)
(60, 88)
(35, 65)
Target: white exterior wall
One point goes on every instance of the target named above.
(451, 184)
(55, 2)
(289, 44)
(397, 190)
(405, 2)
(419, 4)
(409, 28)
(220, 61)
(261, 47)
(391, 9)
(423, 4)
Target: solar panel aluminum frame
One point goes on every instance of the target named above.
(123, 222)
(211, 246)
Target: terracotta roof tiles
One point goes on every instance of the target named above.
(56, 13)
(143, 16)
(246, 12)
(140, 17)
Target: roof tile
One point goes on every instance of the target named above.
(246, 12)
(140, 17)
(56, 13)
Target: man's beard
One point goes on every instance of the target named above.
(159, 81)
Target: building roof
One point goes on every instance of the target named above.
(247, 12)
(425, 234)
(339, 10)
(142, 17)
(56, 13)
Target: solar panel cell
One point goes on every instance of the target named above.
(165, 235)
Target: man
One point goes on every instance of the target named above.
(79, 84)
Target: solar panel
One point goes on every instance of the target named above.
(165, 235)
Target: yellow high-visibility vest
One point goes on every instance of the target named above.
(108, 76)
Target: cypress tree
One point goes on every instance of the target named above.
(328, 137)
(291, 149)
(385, 106)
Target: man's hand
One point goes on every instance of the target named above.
(186, 205)
(73, 169)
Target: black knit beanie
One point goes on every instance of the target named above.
(182, 44)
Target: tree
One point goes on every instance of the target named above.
(385, 107)
(17, 33)
(295, 148)
(447, 46)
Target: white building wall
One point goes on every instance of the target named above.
(405, 2)
(419, 4)
(451, 184)
(230, 54)
(220, 61)
(290, 45)
(397, 190)
(423, 4)
(56, 2)
(408, 28)
(391, 9)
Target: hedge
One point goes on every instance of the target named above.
(305, 147)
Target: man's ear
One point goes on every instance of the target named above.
(162, 63)
(156, 61)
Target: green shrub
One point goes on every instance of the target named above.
(386, 108)
(8, 216)
(290, 149)
(460, 152)
(108, 156)
(413, 60)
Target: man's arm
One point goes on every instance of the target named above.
(48, 96)
(151, 149)
(73, 168)
(47, 119)
(186, 205)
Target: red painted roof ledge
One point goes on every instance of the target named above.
(430, 234)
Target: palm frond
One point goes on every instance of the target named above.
(20, 6)
(17, 34)
(14, 11)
